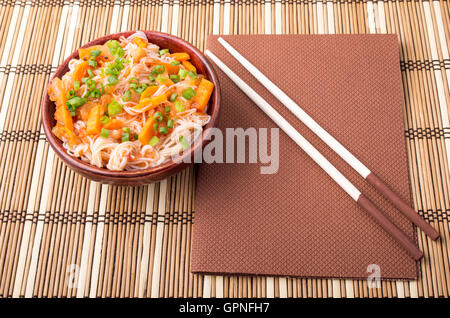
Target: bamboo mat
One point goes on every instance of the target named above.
(64, 236)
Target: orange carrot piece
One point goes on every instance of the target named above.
(149, 91)
(204, 92)
(80, 70)
(138, 54)
(105, 55)
(154, 101)
(147, 131)
(180, 56)
(140, 42)
(113, 124)
(57, 93)
(93, 125)
(188, 65)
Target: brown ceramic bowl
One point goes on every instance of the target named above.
(144, 176)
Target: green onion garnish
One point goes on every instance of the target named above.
(179, 107)
(160, 78)
(104, 120)
(162, 52)
(114, 108)
(184, 142)
(188, 93)
(155, 126)
(170, 123)
(90, 73)
(95, 53)
(182, 73)
(175, 63)
(127, 96)
(158, 69)
(112, 80)
(126, 129)
(153, 141)
(173, 98)
(167, 109)
(151, 78)
(192, 74)
(174, 78)
(104, 133)
(125, 137)
(76, 85)
(158, 116)
(163, 130)
(92, 63)
(133, 80)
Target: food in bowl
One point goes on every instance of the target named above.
(129, 104)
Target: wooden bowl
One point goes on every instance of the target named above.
(144, 176)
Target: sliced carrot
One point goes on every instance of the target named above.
(188, 65)
(204, 92)
(105, 55)
(140, 42)
(57, 92)
(93, 125)
(149, 91)
(171, 69)
(138, 54)
(83, 111)
(80, 70)
(113, 124)
(180, 56)
(147, 131)
(154, 101)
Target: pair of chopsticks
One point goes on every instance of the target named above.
(345, 154)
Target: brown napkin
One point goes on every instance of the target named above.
(298, 222)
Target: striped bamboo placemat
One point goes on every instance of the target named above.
(64, 236)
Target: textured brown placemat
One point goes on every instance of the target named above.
(298, 222)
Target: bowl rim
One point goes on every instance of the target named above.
(78, 164)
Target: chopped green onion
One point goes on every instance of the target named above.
(104, 120)
(104, 133)
(125, 137)
(136, 136)
(112, 80)
(179, 107)
(160, 78)
(75, 102)
(182, 73)
(92, 63)
(76, 85)
(141, 88)
(174, 78)
(167, 109)
(162, 52)
(127, 96)
(115, 48)
(153, 141)
(158, 69)
(151, 78)
(114, 108)
(163, 130)
(192, 74)
(184, 142)
(173, 98)
(188, 93)
(126, 129)
(90, 73)
(158, 116)
(170, 123)
(84, 80)
(95, 53)
(155, 126)
(134, 80)
(175, 63)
